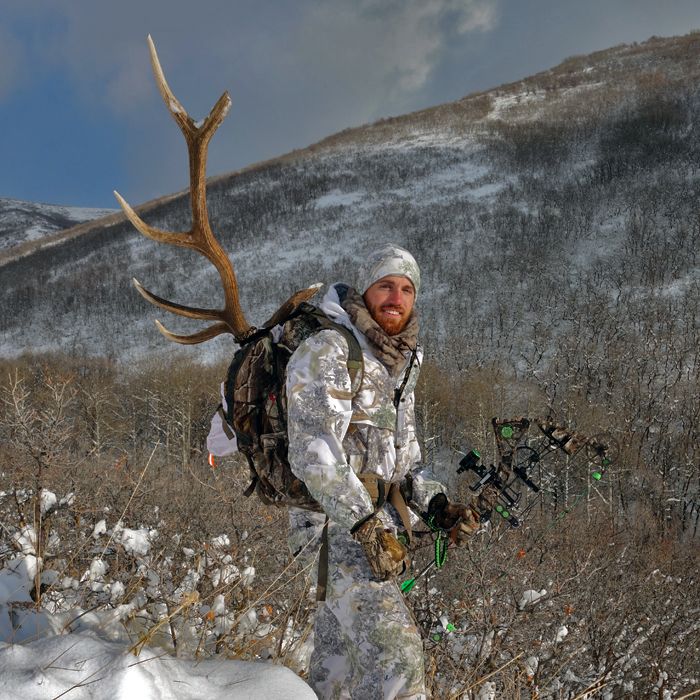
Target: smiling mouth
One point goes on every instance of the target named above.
(392, 312)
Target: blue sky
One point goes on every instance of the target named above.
(81, 114)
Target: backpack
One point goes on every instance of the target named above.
(253, 412)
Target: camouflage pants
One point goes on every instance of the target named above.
(366, 644)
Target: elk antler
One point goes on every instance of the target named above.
(200, 237)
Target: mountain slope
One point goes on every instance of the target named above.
(28, 226)
(565, 201)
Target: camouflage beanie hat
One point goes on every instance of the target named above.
(389, 260)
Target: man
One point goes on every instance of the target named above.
(350, 445)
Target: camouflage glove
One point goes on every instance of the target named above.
(457, 518)
(386, 556)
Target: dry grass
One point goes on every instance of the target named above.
(612, 567)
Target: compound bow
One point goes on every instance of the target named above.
(499, 488)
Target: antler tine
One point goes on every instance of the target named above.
(183, 239)
(173, 104)
(200, 237)
(187, 124)
(194, 338)
(188, 311)
(288, 307)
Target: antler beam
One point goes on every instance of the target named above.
(200, 237)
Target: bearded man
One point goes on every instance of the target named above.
(355, 448)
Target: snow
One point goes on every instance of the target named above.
(504, 106)
(89, 655)
(90, 666)
(504, 103)
(24, 223)
(47, 501)
(35, 232)
(487, 691)
(531, 665)
(488, 190)
(336, 198)
(426, 138)
(77, 214)
(530, 597)
(98, 568)
(248, 575)
(226, 575)
(136, 541)
(64, 647)
(14, 581)
(25, 539)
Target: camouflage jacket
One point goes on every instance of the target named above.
(336, 433)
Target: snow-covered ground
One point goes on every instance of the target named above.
(61, 649)
(82, 665)
(90, 655)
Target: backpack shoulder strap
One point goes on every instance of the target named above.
(355, 360)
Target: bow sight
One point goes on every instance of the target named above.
(500, 487)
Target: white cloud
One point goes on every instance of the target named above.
(391, 46)
(376, 51)
(130, 84)
(296, 71)
(482, 17)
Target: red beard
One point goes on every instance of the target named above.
(391, 324)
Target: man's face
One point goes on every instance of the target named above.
(390, 302)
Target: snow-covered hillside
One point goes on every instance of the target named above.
(29, 225)
(535, 201)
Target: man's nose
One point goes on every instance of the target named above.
(395, 296)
